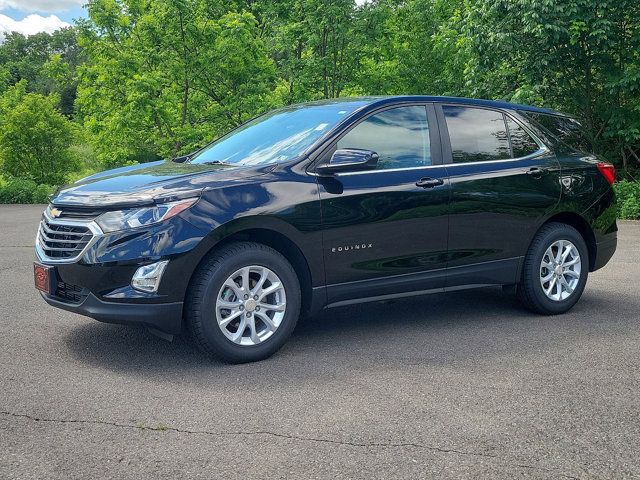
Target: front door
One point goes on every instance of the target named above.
(385, 230)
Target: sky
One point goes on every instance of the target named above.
(33, 16)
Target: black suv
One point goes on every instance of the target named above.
(327, 204)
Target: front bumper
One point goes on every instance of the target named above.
(166, 317)
(98, 283)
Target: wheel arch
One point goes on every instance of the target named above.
(579, 223)
(283, 245)
(271, 237)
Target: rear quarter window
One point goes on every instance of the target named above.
(566, 129)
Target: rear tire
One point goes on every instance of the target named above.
(555, 270)
(243, 303)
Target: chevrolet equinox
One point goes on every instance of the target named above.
(327, 204)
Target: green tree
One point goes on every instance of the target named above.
(325, 49)
(156, 78)
(28, 58)
(164, 77)
(312, 43)
(34, 137)
(429, 50)
(579, 56)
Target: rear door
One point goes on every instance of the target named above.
(385, 230)
(504, 181)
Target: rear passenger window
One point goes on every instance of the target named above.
(476, 134)
(521, 142)
(400, 137)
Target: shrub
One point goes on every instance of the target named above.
(35, 138)
(628, 194)
(85, 155)
(21, 190)
(42, 192)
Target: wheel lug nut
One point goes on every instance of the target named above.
(248, 314)
(241, 307)
(255, 297)
(257, 309)
(246, 297)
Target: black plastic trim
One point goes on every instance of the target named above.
(377, 287)
(166, 317)
(604, 251)
(495, 272)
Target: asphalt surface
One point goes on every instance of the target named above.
(465, 384)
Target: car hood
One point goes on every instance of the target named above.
(142, 184)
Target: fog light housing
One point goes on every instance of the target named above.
(147, 278)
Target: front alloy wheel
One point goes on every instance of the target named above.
(243, 302)
(251, 305)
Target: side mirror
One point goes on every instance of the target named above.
(349, 159)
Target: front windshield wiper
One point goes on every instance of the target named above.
(182, 158)
(215, 162)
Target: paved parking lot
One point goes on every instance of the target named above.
(455, 385)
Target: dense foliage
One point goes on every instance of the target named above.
(146, 79)
(22, 190)
(47, 62)
(628, 194)
(162, 77)
(35, 138)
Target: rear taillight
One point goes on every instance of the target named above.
(608, 171)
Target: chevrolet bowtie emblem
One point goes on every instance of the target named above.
(55, 213)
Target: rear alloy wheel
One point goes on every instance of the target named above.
(555, 270)
(560, 270)
(243, 303)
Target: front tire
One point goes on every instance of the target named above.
(555, 270)
(243, 303)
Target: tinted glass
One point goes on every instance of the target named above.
(565, 129)
(400, 137)
(477, 134)
(521, 142)
(277, 136)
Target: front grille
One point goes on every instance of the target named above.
(79, 213)
(69, 292)
(63, 241)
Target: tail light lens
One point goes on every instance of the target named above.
(608, 171)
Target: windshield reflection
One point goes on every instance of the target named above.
(277, 136)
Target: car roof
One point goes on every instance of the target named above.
(385, 100)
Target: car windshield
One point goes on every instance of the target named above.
(276, 136)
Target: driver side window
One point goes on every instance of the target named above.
(400, 137)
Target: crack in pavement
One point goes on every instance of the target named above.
(163, 428)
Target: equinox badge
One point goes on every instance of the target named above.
(347, 248)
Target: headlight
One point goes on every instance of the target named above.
(142, 217)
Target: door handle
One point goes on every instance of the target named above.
(427, 182)
(537, 172)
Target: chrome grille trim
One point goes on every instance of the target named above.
(46, 240)
(74, 239)
(58, 232)
(61, 235)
